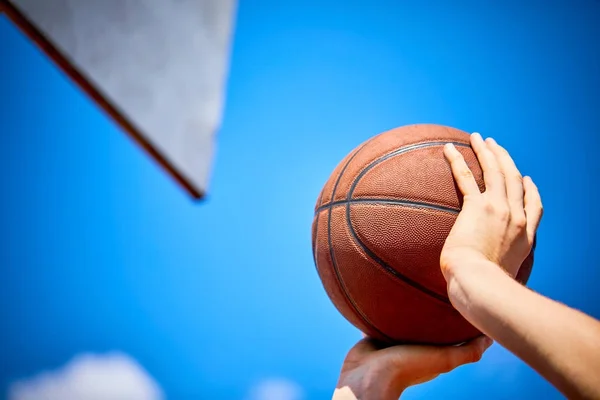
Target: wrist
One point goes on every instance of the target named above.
(370, 384)
(463, 279)
(466, 266)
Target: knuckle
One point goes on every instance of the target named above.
(503, 211)
(518, 177)
(489, 208)
(454, 360)
(505, 152)
(466, 173)
(476, 354)
(519, 222)
(498, 209)
(473, 355)
(500, 172)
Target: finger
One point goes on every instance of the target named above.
(533, 207)
(460, 170)
(512, 176)
(470, 352)
(492, 174)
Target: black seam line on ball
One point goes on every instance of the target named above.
(316, 231)
(391, 202)
(334, 262)
(368, 251)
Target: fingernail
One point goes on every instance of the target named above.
(490, 140)
(477, 135)
(450, 146)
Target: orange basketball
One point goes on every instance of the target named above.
(379, 227)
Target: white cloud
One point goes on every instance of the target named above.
(276, 389)
(113, 376)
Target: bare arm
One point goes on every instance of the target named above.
(560, 343)
(492, 236)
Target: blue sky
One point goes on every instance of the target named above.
(102, 251)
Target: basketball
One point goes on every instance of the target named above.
(379, 226)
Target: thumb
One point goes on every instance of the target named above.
(432, 360)
(418, 364)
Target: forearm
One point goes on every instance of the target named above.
(562, 344)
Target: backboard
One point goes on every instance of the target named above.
(157, 67)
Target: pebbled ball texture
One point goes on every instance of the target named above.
(379, 227)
